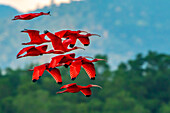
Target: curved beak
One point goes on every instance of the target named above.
(97, 86)
(88, 57)
(80, 48)
(102, 60)
(95, 35)
(31, 70)
(83, 31)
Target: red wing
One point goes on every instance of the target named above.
(86, 91)
(61, 34)
(71, 55)
(75, 68)
(42, 47)
(25, 16)
(42, 36)
(55, 61)
(66, 43)
(56, 41)
(34, 35)
(69, 85)
(38, 71)
(90, 70)
(55, 73)
(25, 50)
(73, 38)
(84, 40)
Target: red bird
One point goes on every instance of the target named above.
(88, 66)
(58, 44)
(32, 51)
(39, 70)
(74, 88)
(84, 39)
(66, 59)
(29, 16)
(35, 37)
(67, 33)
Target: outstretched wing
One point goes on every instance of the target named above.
(86, 91)
(69, 85)
(55, 61)
(56, 41)
(55, 73)
(25, 16)
(66, 43)
(38, 72)
(84, 40)
(73, 38)
(90, 70)
(61, 34)
(25, 50)
(42, 48)
(75, 68)
(34, 35)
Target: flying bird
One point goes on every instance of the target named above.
(84, 39)
(62, 59)
(58, 44)
(88, 66)
(69, 34)
(29, 16)
(32, 51)
(74, 88)
(35, 37)
(39, 70)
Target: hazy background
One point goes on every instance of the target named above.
(127, 27)
(135, 32)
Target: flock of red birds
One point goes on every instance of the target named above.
(59, 47)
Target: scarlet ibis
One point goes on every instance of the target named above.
(74, 88)
(29, 16)
(88, 66)
(84, 39)
(35, 37)
(39, 70)
(71, 34)
(58, 44)
(32, 51)
(66, 59)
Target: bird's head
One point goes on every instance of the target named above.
(92, 85)
(15, 18)
(25, 30)
(96, 59)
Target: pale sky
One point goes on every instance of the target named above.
(30, 5)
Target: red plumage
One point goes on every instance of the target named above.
(29, 16)
(74, 88)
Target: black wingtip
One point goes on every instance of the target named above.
(60, 82)
(34, 80)
(50, 69)
(93, 78)
(72, 45)
(66, 66)
(86, 44)
(46, 31)
(73, 79)
(88, 95)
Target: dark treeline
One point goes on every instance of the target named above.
(141, 85)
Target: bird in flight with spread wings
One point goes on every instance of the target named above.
(74, 88)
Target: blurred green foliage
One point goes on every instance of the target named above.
(141, 85)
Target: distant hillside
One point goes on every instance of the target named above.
(127, 28)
